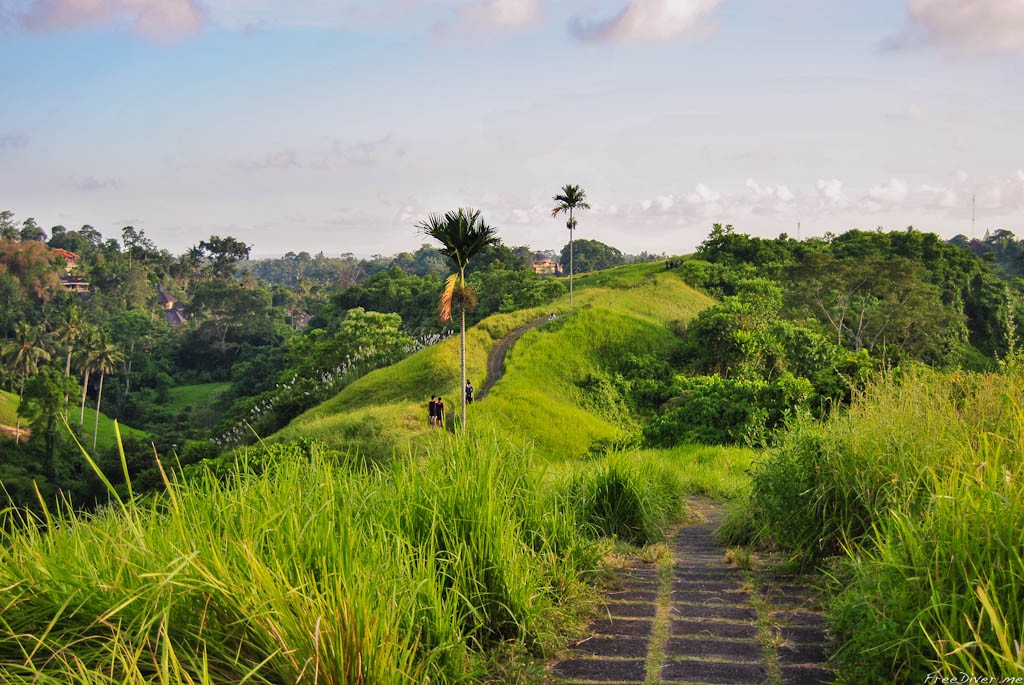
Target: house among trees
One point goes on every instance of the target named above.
(545, 267)
(174, 311)
(69, 280)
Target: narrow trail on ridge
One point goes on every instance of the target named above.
(697, 619)
(496, 359)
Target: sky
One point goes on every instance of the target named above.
(336, 126)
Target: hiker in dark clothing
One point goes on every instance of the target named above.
(469, 392)
(439, 412)
(432, 410)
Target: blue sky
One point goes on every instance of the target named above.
(336, 125)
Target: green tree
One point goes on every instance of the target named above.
(570, 199)
(592, 255)
(463, 235)
(22, 356)
(43, 401)
(223, 254)
(72, 325)
(90, 341)
(101, 359)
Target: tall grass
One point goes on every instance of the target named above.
(919, 488)
(301, 565)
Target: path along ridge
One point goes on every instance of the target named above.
(496, 358)
(701, 620)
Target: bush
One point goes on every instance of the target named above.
(720, 411)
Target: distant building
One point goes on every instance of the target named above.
(70, 259)
(174, 311)
(545, 267)
(70, 281)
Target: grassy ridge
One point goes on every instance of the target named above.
(921, 486)
(384, 412)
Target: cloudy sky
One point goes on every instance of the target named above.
(336, 125)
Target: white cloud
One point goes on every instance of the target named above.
(649, 20)
(939, 196)
(831, 195)
(972, 26)
(159, 19)
(768, 199)
(507, 14)
(887, 196)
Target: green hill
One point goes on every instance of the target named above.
(106, 439)
(550, 394)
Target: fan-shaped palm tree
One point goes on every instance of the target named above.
(571, 198)
(102, 359)
(22, 356)
(463, 235)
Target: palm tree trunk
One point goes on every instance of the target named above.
(85, 386)
(99, 398)
(67, 375)
(571, 226)
(462, 330)
(17, 428)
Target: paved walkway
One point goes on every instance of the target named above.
(700, 621)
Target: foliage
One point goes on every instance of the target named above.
(900, 486)
(590, 255)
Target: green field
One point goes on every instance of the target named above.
(8, 408)
(201, 394)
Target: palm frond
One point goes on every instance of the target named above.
(571, 197)
(462, 234)
(444, 305)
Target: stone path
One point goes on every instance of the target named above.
(700, 620)
(496, 359)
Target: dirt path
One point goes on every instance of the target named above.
(12, 432)
(496, 359)
(701, 620)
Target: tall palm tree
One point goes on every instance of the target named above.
(23, 355)
(463, 235)
(90, 341)
(70, 329)
(571, 198)
(102, 359)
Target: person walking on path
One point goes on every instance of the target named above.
(439, 412)
(432, 410)
(469, 392)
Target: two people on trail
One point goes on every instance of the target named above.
(435, 408)
(435, 411)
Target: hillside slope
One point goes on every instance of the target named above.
(106, 439)
(547, 395)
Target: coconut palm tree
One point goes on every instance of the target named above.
(571, 198)
(102, 359)
(70, 329)
(463, 235)
(22, 355)
(90, 340)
